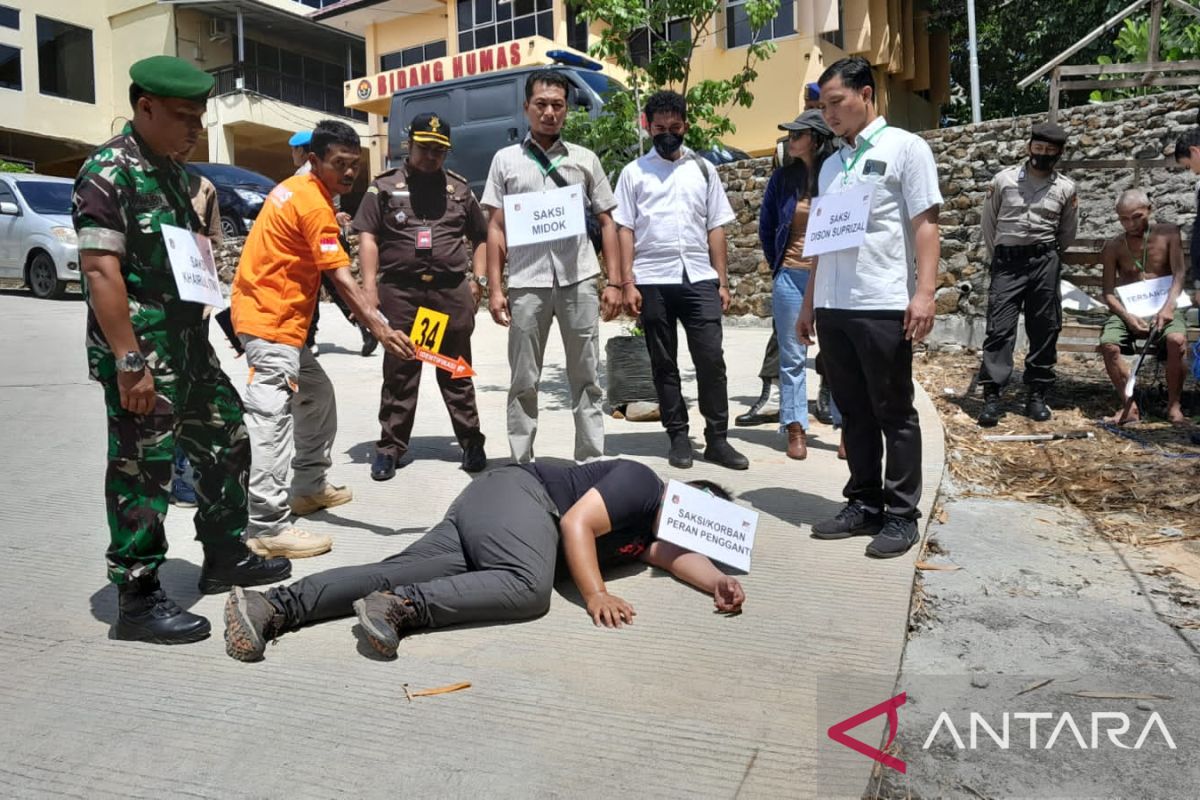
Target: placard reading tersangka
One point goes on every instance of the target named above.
(1146, 298)
(696, 520)
(538, 217)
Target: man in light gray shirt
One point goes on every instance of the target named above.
(551, 279)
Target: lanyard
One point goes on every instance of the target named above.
(540, 158)
(1139, 263)
(863, 146)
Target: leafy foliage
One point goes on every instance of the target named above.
(1179, 40)
(630, 25)
(9, 166)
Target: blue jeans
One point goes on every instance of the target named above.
(787, 298)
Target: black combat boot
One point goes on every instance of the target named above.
(232, 564)
(1035, 404)
(720, 451)
(993, 409)
(384, 618)
(763, 411)
(146, 614)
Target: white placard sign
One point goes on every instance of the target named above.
(838, 221)
(1146, 298)
(194, 266)
(539, 217)
(695, 520)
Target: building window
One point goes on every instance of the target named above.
(10, 18)
(486, 22)
(413, 55)
(10, 67)
(836, 38)
(577, 30)
(645, 40)
(737, 24)
(65, 64)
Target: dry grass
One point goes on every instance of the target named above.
(1132, 491)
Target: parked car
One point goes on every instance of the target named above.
(37, 239)
(720, 154)
(240, 194)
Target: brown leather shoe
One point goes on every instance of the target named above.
(797, 447)
(842, 447)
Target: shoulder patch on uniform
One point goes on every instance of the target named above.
(372, 189)
(991, 188)
(456, 176)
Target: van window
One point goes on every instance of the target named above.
(598, 81)
(490, 102)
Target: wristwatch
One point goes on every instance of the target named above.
(481, 280)
(131, 362)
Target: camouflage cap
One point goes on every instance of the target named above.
(167, 76)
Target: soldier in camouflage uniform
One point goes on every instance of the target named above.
(149, 350)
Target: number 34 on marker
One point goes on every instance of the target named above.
(427, 332)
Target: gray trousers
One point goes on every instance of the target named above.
(577, 309)
(291, 415)
(491, 559)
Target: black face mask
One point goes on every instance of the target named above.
(667, 143)
(1043, 162)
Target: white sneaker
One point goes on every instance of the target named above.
(291, 543)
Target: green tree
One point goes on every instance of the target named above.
(1015, 37)
(10, 166)
(1179, 40)
(654, 40)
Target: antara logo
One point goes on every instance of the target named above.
(1115, 725)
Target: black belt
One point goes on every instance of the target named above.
(422, 280)
(1025, 250)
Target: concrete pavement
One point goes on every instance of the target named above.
(683, 703)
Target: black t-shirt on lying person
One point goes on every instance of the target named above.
(632, 494)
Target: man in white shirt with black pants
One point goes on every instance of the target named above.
(671, 209)
(870, 308)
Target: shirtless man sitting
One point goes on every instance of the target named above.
(1144, 251)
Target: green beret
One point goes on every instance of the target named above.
(167, 76)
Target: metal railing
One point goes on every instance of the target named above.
(319, 96)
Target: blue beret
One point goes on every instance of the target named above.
(301, 139)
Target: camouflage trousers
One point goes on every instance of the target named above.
(196, 408)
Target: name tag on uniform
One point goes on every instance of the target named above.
(194, 267)
(539, 217)
(424, 238)
(839, 221)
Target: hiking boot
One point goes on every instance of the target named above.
(680, 455)
(291, 543)
(896, 538)
(250, 622)
(765, 408)
(474, 457)
(328, 497)
(853, 520)
(797, 446)
(721, 453)
(384, 617)
(146, 614)
(1035, 405)
(993, 409)
(233, 564)
(384, 468)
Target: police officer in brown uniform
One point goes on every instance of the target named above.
(422, 239)
(1031, 213)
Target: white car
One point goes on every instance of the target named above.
(37, 240)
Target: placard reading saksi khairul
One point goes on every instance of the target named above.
(696, 520)
(839, 221)
(194, 267)
(539, 217)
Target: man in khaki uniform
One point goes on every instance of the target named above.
(1031, 213)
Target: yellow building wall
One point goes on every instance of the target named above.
(890, 33)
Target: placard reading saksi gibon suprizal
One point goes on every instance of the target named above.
(697, 521)
(539, 217)
(839, 221)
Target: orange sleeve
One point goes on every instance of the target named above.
(321, 231)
